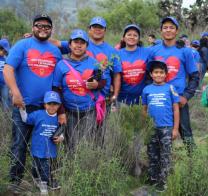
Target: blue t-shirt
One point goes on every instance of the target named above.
(75, 95)
(45, 125)
(133, 74)
(159, 100)
(105, 54)
(2, 63)
(180, 62)
(34, 62)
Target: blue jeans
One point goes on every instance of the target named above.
(5, 98)
(185, 128)
(20, 137)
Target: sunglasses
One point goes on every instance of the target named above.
(43, 26)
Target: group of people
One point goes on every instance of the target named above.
(48, 91)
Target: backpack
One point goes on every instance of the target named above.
(204, 97)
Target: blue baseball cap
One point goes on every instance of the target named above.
(99, 21)
(172, 19)
(79, 34)
(204, 34)
(4, 43)
(195, 42)
(132, 26)
(52, 96)
(157, 41)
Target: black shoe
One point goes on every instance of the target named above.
(161, 187)
(151, 181)
(53, 185)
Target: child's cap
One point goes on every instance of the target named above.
(157, 63)
(99, 21)
(204, 34)
(5, 45)
(170, 18)
(79, 34)
(132, 26)
(195, 43)
(52, 96)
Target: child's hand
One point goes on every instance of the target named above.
(175, 133)
(58, 139)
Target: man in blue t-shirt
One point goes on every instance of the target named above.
(160, 100)
(182, 73)
(28, 73)
(4, 91)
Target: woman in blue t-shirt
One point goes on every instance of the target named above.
(133, 58)
(78, 80)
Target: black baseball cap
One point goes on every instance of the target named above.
(42, 17)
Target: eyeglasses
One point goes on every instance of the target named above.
(43, 26)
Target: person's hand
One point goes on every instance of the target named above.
(92, 85)
(17, 100)
(58, 139)
(182, 102)
(62, 119)
(113, 99)
(175, 133)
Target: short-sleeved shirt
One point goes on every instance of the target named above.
(75, 95)
(2, 63)
(159, 100)
(45, 125)
(103, 53)
(180, 63)
(34, 62)
(133, 74)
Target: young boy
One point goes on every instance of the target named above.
(43, 145)
(160, 100)
(4, 90)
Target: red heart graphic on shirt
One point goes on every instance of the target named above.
(103, 59)
(173, 65)
(41, 64)
(75, 85)
(133, 73)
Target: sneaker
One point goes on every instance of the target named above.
(53, 185)
(43, 188)
(161, 187)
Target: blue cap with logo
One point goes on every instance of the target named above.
(195, 42)
(4, 43)
(79, 34)
(170, 18)
(52, 96)
(204, 34)
(132, 26)
(99, 21)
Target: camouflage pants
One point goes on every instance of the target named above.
(159, 153)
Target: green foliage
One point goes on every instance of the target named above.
(11, 26)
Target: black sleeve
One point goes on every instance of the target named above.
(193, 82)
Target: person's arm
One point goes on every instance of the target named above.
(55, 42)
(176, 115)
(116, 84)
(10, 80)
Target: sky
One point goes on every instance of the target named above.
(186, 3)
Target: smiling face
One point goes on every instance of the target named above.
(42, 30)
(97, 32)
(78, 48)
(51, 107)
(169, 31)
(158, 75)
(131, 38)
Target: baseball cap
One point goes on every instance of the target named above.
(183, 36)
(195, 42)
(157, 41)
(79, 33)
(132, 26)
(170, 18)
(42, 17)
(98, 20)
(52, 96)
(204, 34)
(4, 43)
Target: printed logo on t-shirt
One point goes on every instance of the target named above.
(133, 73)
(173, 65)
(75, 85)
(41, 64)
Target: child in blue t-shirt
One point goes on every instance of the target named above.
(4, 90)
(160, 100)
(43, 145)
